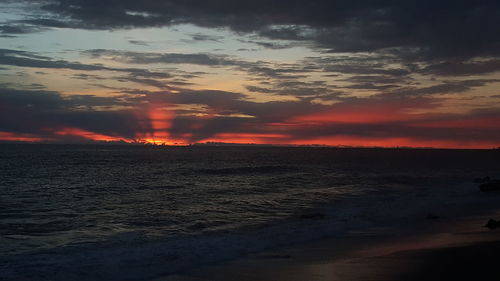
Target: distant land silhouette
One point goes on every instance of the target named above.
(226, 144)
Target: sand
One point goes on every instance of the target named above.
(439, 249)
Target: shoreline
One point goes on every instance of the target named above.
(365, 232)
(445, 249)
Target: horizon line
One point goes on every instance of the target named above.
(229, 144)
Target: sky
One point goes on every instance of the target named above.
(317, 72)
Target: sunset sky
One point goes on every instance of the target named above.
(362, 73)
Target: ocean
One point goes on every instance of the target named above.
(126, 212)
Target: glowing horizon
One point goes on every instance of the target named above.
(179, 73)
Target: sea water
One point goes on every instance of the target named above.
(87, 212)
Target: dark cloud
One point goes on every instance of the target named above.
(444, 88)
(167, 58)
(149, 82)
(51, 100)
(377, 79)
(190, 75)
(246, 50)
(280, 112)
(371, 86)
(375, 82)
(222, 102)
(8, 30)
(366, 69)
(458, 68)
(145, 73)
(374, 65)
(138, 42)
(196, 37)
(223, 109)
(180, 82)
(276, 72)
(45, 99)
(447, 127)
(269, 44)
(296, 88)
(259, 68)
(88, 77)
(35, 86)
(44, 112)
(388, 47)
(394, 130)
(46, 22)
(460, 29)
(260, 89)
(28, 59)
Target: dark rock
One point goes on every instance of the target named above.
(492, 224)
(482, 180)
(313, 216)
(490, 185)
(432, 217)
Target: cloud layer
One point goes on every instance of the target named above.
(419, 73)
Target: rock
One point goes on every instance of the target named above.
(490, 185)
(313, 216)
(482, 180)
(492, 224)
(432, 217)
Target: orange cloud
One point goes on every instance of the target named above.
(480, 123)
(247, 138)
(157, 120)
(359, 113)
(86, 134)
(7, 136)
(395, 142)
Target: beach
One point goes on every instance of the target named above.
(453, 247)
(222, 140)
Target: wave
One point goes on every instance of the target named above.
(137, 256)
(249, 170)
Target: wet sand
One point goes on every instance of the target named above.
(439, 249)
